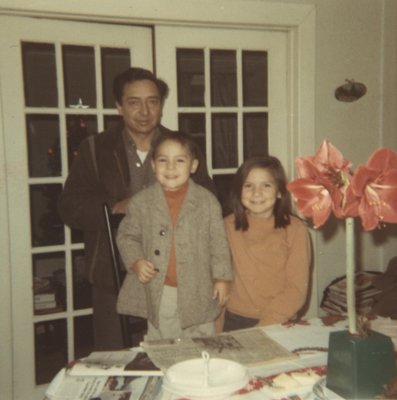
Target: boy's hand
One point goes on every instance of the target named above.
(121, 206)
(144, 270)
(221, 291)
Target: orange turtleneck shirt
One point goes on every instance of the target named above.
(271, 268)
(174, 201)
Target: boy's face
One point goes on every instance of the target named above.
(173, 165)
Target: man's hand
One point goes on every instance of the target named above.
(221, 291)
(145, 270)
(121, 206)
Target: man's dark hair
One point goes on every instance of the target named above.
(184, 139)
(137, 74)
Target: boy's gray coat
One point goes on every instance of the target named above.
(201, 248)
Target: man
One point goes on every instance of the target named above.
(121, 168)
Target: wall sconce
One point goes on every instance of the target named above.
(350, 91)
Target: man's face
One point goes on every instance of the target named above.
(141, 107)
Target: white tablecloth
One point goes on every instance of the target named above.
(308, 339)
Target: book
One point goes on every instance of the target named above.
(43, 305)
(115, 363)
(334, 299)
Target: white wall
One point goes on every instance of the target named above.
(355, 39)
(389, 111)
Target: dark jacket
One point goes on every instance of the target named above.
(89, 186)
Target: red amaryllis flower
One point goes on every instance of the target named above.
(376, 185)
(329, 161)
(323, 185)
(311, 194)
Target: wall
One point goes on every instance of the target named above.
(354, 39)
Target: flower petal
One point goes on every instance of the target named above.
(313, 200)
(377, 190)
(329, 157)
(383, 159)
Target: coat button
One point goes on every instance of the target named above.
(157, 252)
(162, 232)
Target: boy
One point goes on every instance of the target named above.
(173, 243)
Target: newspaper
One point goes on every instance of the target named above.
(69, 387)
(250, 347)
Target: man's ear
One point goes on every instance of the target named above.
(194, 166)
(118, 106)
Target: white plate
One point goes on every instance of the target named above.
(321, 392)
(187, 378)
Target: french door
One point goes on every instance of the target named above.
(231, 93)
(228, 87)
(56, 88)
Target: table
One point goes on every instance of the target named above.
(308, 339)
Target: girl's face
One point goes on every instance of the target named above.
(173, 165)
(259, 193)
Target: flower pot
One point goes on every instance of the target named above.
(359, 367)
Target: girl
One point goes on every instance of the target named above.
(270, 248)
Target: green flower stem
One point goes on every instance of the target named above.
(350, 275)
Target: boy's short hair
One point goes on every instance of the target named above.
(184, 139)
(137, 74)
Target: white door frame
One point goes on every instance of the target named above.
(5, 281)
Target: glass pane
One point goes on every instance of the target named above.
(223, 184)
(114, 61)
(223, 78)
(81, 286)
(195, 125)
(255, 134)
(254, 78)
(39, 75)
(49, 283)
(43, 145)
(111, 122)
(190, 75)
(79, 76)
(47, 227)
(78, 128)
(83, 336)
(224, 141)
(50, 349)
(77, 236)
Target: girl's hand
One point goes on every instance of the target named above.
(144, 270)
(221, 291)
